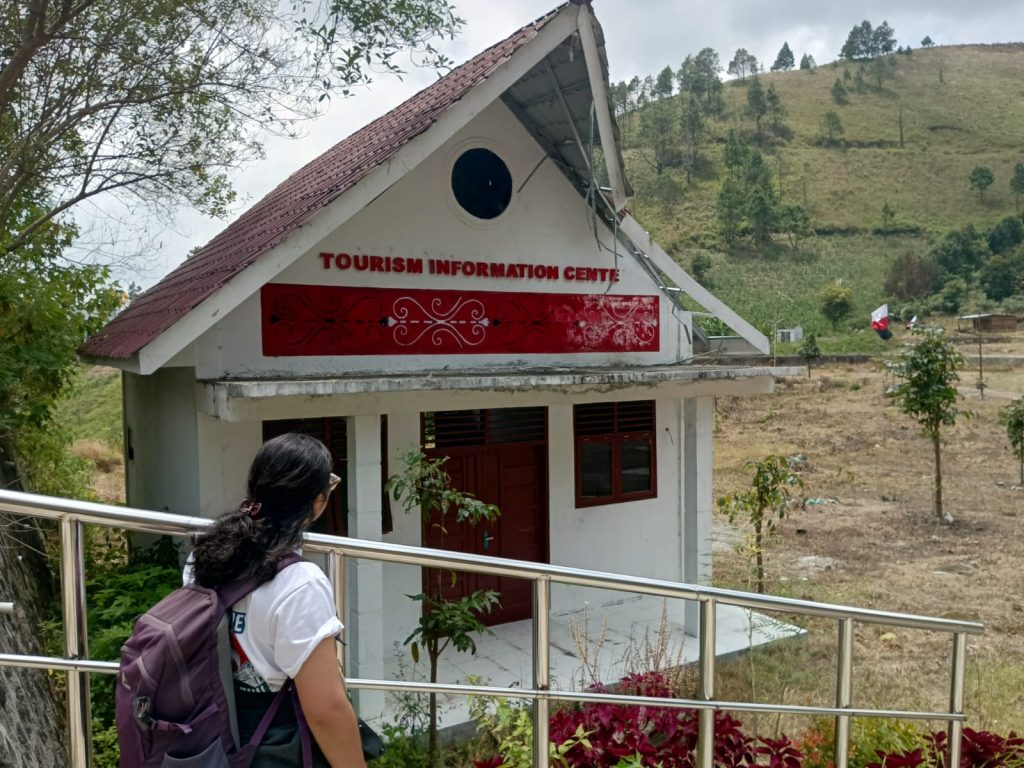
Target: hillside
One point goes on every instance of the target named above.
(961, 107)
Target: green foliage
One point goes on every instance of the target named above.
(765, 502)
(927, 42)
(836, 303)
(863, 42)
(1012, 418)
(450, 622)
(105, 750)
(46, 464)
(1006, 235)
(911, 276)
(810, 352)
(424, 486)
(831, 127)
(793, 222)
(47, 308)
(784, 60)
(1003, 275)
(748, 204)
(776, 109)
(839, 93)
(117, 593)
(403, 750)
(961, 253)
(700, 268)
(91, 406)
(1017, 183)
(927, 392)
(164, 98)
(981, 178)
(743, 63)
(888, 217)
(509, 729)
(869, 738)
(659, 128)
(953, 295)
(807, 63)
(757, 103)
(693, 130)
(663, 83)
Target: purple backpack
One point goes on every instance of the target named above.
(174, 697)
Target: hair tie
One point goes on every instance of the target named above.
(250, 507)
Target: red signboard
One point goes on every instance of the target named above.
(303, 320)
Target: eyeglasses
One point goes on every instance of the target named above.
(332, 483)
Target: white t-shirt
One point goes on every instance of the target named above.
(277, 626)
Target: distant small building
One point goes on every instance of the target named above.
(790, 334)
(988, 323)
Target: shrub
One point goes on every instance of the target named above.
(979, 749)
(611, 735)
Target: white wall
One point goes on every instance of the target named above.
(547, 222)
(639, 538)
(161, 442)
(225, 451)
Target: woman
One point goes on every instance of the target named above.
(287, 627)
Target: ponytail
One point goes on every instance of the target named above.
(287, 475)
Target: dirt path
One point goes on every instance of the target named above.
(873, 541)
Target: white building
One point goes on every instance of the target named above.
(450, 276)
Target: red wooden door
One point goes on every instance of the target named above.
(513, 476)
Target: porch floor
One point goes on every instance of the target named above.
(613, 633)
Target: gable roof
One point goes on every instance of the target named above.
(296, 200)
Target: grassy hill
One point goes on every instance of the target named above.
(962, 106)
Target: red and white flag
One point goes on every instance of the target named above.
(880, 321)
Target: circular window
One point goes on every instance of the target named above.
(481, 183)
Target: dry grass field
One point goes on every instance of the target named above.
(873, 541)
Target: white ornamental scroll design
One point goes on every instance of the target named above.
(628, 323)
(464, 322)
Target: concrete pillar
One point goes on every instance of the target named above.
(364, 578)
(698, 423)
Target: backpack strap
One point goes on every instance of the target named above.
(230, 594)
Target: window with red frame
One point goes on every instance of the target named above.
(615, 458)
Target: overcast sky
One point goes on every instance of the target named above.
(642, 36)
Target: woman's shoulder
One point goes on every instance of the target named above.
(297, 575)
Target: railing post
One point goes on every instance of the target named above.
(541, 669)
(844, 691)
(706, 684)
(336, 574)
(72, 589)
(6, 607)
(954, 732)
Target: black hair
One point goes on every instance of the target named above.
(287, 475)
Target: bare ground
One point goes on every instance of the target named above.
(873, 540)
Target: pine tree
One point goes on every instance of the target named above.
(807, 62)
(784, 61)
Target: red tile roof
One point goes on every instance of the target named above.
(294, 202)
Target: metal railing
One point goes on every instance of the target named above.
(71, 516)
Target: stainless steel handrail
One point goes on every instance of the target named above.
(72, 515)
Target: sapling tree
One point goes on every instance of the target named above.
(836, 303)
(927, 393)
(981, 178)
(764, 504)
(425, 486)
(1012, 417)
(810, 352)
